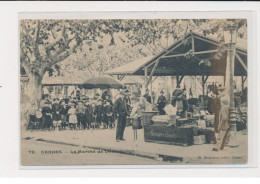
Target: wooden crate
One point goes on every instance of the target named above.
(147, 117)
(169, 135)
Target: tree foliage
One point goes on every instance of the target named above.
(48, 42)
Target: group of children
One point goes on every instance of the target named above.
(73, 113)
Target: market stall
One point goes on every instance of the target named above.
(193, 55)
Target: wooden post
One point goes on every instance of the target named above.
(204, 80)
(242, 82)
(153, 70)
(192, 43)
(203, 85)
(151, 88)
(145, 77)
(177, 81)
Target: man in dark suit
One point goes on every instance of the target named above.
(161, 103)
(147, 96)
(120, 109)
(127, 96)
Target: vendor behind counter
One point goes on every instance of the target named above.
(180, 102)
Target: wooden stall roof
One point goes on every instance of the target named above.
(129, 68)
(173, 60)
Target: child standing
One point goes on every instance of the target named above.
(108, 114)
(99, 113)
(80, 111)
(63, 113)
(46, 113)
(56, 116)
(72, 117)
(88, 114)
(32, 124)
(93, 119)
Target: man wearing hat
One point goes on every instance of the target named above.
(180, 102)
(217, 105)
(147, 96)
(78, 95)
(127, 97)
(120, 109)
(128, 101)
(223, 126)
(161, 103)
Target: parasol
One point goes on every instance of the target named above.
(103, 82)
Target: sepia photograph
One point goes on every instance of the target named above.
(133, 92)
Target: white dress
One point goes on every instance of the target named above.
(72, 117)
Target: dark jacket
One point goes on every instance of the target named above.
(161, 102)
(98, 111)
(148, 97)
(89, 110)
(120, 107)
(56, 116)
(184, 102)
(108, 111)
(63, 110)
(89, 113)
(46, 111)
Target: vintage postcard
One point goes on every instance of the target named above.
(133, 92)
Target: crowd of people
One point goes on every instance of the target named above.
(75, 113)
(82, 112)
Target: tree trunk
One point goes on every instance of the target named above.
(35, 89)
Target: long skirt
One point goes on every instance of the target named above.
(73, 119)
(47, 121)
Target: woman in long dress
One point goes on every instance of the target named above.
(72, 117)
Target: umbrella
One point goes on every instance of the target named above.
(103, 82)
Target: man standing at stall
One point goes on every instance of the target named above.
(180, 103)
(161, 103)
(127, 96)
(147, 96)
(120, 109)
(222, 126)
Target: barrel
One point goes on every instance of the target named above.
(147, 117)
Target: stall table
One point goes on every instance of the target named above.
(182, 134)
